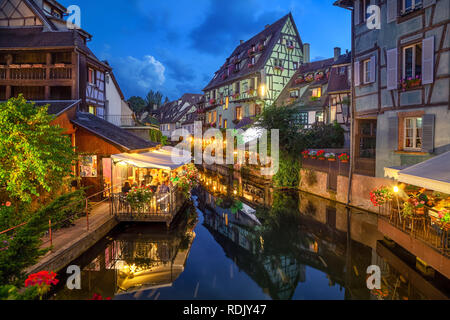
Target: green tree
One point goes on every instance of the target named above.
(35, 157)
(138, 105)
(153, 98)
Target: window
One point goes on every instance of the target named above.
(366, 71)
(91, 76)
(210, 117)
(302, 118)
(412, 61)
(238, 115)
(225, 123)
(316, 92)
(295, 65)
(332, 114)
(214, 116)
(319, 116)
(227, 102)
(409, 5)
(342, 70)
(367, 136)
(100, 112)
(413, 133)
(293, 94)
(92, 110)
(278, 62)
(220, 121)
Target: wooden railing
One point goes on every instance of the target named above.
(162, 207)
(35, 72)
(422, 226)
(27, 74)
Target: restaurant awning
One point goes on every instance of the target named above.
(165, 158)
(433, 174)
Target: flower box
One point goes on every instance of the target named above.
(410, 83)
(251, 65)
(14, 66)
(305, 154)
(59, 65)
(290, 47)
(212, 101)
(309, 78)
(25, 66)
(37, 66)
(321, 155)
(380, 196)
(299, 80)
(318, 77)
(236, 96)
(279, 68)
(330, 156)
(344, 158)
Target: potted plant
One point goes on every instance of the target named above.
(236, 95)
(418, 205)
(279, 68)
(410, 82)
(444, 219)
(344, 158)
(305, 154)
(251, 92)
(212, 101)
(138, 198)
(330, 156)
(380, 196)
(321, 155)
(319, 76)
(299, 80)
(309, 78)
(313, 154)
(408, 209)
(260, 47)
(290, 47)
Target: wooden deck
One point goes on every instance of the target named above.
(161, 208)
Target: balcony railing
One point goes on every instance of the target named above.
(122, 121)
(35, 72)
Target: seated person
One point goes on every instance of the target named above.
(163, 188)
(126, 187)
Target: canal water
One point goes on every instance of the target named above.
(241, 239)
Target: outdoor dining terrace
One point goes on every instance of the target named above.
(153, 206)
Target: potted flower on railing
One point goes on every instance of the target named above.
(318, 76)
(410, 82)
(299, 80)
(279, 68)
(212, 101)
(260, 47)
(330, 156)
(251, 92)
(236, 95)
(380, 196)
(321, 155)
(313, 154)
(313, 98)
(444, 219)
(305, 154)
(137, 198)
(309, 78)
(290, 47)
(418, 205)
(251, 65)
(344, 158)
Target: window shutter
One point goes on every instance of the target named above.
(356, 12)
(391, 10)
(357, 74)
(372, 68)
(393, 133)
(427, 3)
(428, 133)
(428, 60)
(392, 69)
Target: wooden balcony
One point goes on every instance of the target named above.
(23, 74)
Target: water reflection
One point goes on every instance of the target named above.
(253, 242)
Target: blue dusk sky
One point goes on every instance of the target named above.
(175, 46)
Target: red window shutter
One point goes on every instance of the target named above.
(372, 68)
(356, 12)
(357, 73)
(428, 60)
(391, 10)
(392, 69)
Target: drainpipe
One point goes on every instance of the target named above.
(352, 113)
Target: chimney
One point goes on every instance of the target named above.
(306, 49)
(267, 25)
(337, 53)
(242, 41)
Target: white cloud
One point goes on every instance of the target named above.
(141, 74)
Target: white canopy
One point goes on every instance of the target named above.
(166, 158)
(433, 174)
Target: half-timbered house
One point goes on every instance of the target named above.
(254, 74)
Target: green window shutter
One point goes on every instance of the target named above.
(393, 133)
(428, 133)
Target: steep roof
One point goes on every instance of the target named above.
(56, 107)
(173, 111)
(111, 133)
(340, 82)
(304, 69)
(241, 52)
